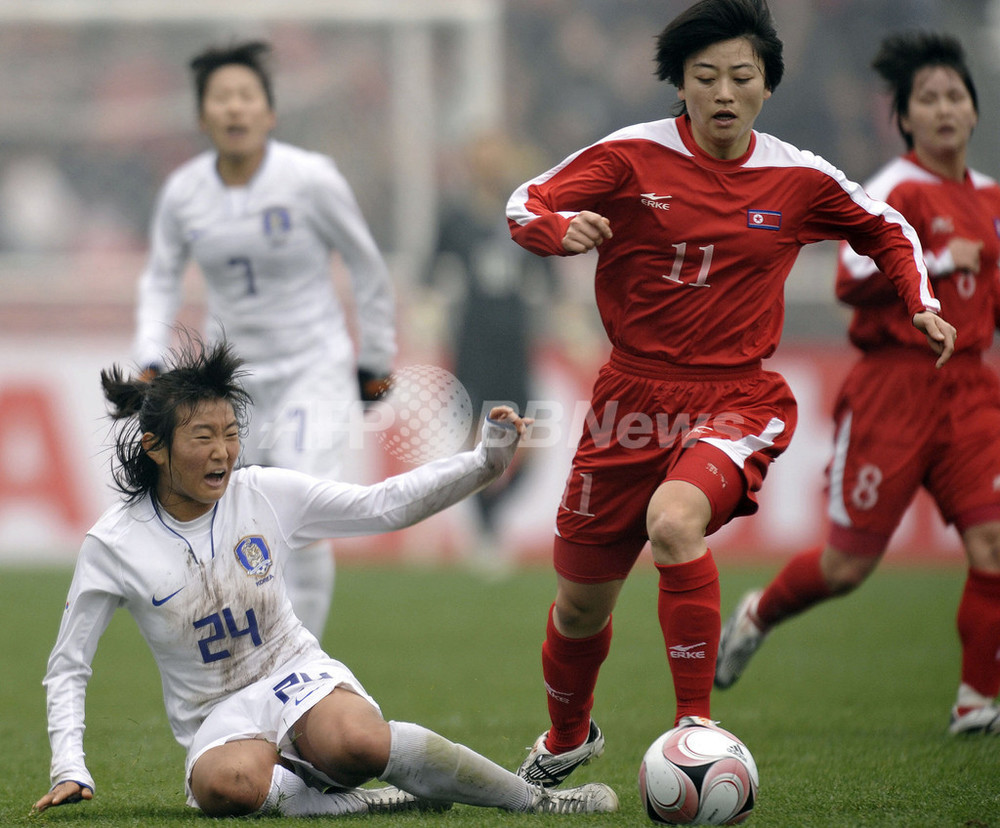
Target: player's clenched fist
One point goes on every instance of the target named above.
(585, 232)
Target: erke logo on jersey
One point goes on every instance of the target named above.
(942, 224)
(659, 202)
(277, 224)
(763, 219)
(254, 556)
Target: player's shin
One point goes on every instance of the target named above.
(570, 667)
(432, 767)
(688, 610)
(979, 631)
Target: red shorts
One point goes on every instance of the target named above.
(901, 424)
(650, 422)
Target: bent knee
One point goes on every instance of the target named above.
(844, 573)
(676, 520)
(235, 793)
(982, 546)
(345, 737)
(576, 620)
(233, 780)
(677, 528)
(364, 751)
(583, 610)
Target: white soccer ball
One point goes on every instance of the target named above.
(698, 774)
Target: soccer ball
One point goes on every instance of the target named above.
(698, 774)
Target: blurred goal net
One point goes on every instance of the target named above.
(98, 109)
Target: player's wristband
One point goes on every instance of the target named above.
(77, 796)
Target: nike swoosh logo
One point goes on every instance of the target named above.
(159, 602)
(300, 699)
(655, 197)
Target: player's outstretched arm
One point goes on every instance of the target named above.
(940, 335)
(63, 794)
(340, 510)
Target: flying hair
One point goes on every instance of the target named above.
(194, 373)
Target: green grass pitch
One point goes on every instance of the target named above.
(844, 709)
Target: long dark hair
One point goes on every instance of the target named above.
(194, 373)
(901, 56)
(712, 21)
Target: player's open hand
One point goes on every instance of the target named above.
(940, 335)
(63, 794)
(585, 232)
(506, 414)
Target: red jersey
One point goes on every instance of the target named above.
(939, 210)
(696, 269)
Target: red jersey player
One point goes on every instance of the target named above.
(697, 220)
(899, 424)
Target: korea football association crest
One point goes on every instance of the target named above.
(254, 556)
(277, 225)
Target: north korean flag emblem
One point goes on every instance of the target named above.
(763, 220)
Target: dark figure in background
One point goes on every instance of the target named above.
(499, 283)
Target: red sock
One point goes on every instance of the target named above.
(688, 608)
(570, 667)
(797, 587)
(979, 632)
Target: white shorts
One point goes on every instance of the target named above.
(269, 709)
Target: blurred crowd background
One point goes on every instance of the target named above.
(432, 109)
(97, 110)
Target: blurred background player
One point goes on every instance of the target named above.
(496, 285)
(263, 220)
(697, 221)
(270, 722)
(899, 423)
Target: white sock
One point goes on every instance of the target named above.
(309, 577)
(967, 697)
(428, 765)
(291, 796)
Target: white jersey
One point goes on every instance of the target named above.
(265, 253)
(209, 596)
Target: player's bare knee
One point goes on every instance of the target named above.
(230, 791)
(845, 573)
(674, 529)
(982, 546)
(234, 779)
(579, 620)
(363, 753)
